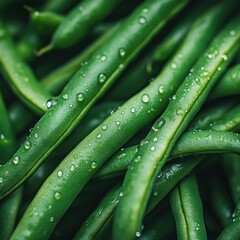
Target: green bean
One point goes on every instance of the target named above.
(20, 76)
(45, 22)
(196, 142)
(79, 21)
(107, 207)
(221, 203)
(95, 77)
(231, 164)
(205, 119)
(232, 231)
(58, 78)
(187, 210)
(152, 155)
(228, 84)
(8, 207)
(7, 141)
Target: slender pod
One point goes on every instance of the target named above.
(9, 207)
(187, 209)
(232, 231)
(190, 143)
(79, 21)
(228, 84)
(231, 165)
(19, 75)
(183, 106)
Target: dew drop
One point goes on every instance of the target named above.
(104, 127)
(155, 139)
(93, 165)
(65, 96)
(99, 136)
(72, 168)
(36, 135)
(1, 180)
(133, 110)
(174, 97)
(142, 20)
(145, 10)
(57, 195)
(153, 148)
(80, 97)
(51, 219)
(161, 89)
(16, 160)
(173, 66)
(138, 234)
(27, 145)
(155, 193)
(224, 57)
(145, 98)
(122, 52)
(121, 194)
(49, 104)
(102, 77)
(59, 173)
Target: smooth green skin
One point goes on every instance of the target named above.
(187, 210)
(46, 22)
(231, 164)
(171, 174)
(20, 77)
(80, 20)
(173, 39)
(228, 84)
(9, 207)
(221, 203)
(68, 109)
(58, 78)
(184, 105)
(232, 231)
(196, 142)
(7, 141)
(101, 215)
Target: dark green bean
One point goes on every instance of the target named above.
(221, 203)
(152, 155)
(196, 142)
(20, 76)
(8, 207)
(187, 210)
(231, 164)
(79, 21)
(228, 84)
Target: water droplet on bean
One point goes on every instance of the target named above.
(145, 98)
(57, 195)
(80, 97)
(16, 160)
(142, 20)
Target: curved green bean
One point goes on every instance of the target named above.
(187, 209)
(20, 76)
(79, 21)
(231, 164)
(232, 231)
(152, 155)
(228, 84)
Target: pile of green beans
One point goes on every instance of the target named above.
(119, 120)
